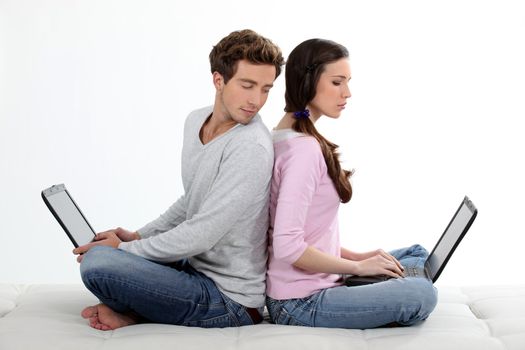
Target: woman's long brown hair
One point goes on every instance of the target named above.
(303, 69)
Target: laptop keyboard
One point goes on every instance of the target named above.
(413, 272)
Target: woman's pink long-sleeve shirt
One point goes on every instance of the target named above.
(303, 212)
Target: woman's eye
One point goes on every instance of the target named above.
(337, 83)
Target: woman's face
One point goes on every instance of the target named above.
(332, 90)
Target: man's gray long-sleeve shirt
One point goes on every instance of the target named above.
(220, 223)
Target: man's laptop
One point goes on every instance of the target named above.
(436, 261)
(68, 214)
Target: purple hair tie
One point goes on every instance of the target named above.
(310, 68)
(305, 113)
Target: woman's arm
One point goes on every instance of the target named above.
(314, 260)
(300, 173)
(351, 255)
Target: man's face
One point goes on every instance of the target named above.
(245, 93)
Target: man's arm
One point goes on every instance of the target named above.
(171, 218)
(243, 178)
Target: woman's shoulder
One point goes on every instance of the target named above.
(299, 154)
(295, 142)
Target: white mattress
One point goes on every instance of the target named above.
(47, 317)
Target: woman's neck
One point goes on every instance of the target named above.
(286, 122)
(288, 119)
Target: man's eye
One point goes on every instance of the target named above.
(247, 86)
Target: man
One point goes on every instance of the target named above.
(203, 262)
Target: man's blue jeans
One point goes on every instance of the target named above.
(404, 301)
(172, 294)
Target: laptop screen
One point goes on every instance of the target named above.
(71, 217)
(450, 239)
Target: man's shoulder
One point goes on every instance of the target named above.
(256, 133)
(199, 114)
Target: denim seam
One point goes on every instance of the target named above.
(362, 311)
(283, 310)
(232, 314)
(207, 320)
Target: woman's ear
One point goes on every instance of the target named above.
(218, 81)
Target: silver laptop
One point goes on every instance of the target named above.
(68, 214)
(445, 247)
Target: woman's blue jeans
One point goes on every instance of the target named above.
(402, 301)
(172, 294)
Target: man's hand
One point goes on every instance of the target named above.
(108, 238)
(123, 234)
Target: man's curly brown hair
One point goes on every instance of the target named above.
(244, 45)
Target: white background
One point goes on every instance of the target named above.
(93, 94)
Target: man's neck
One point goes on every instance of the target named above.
(214, 127)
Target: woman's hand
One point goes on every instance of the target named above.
(377, 262)
(380, 263)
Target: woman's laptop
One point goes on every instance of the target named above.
(436, 261)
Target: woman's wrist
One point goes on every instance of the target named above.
(354, 267)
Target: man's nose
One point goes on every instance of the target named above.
(255, 99)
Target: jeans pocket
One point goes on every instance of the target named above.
(286, 318)
(221, 321)
(286, 312)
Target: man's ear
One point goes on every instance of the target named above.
(218, 81)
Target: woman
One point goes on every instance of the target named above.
(306, 261)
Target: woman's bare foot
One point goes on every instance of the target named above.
(103, 318)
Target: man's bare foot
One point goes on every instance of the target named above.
(103, 318)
